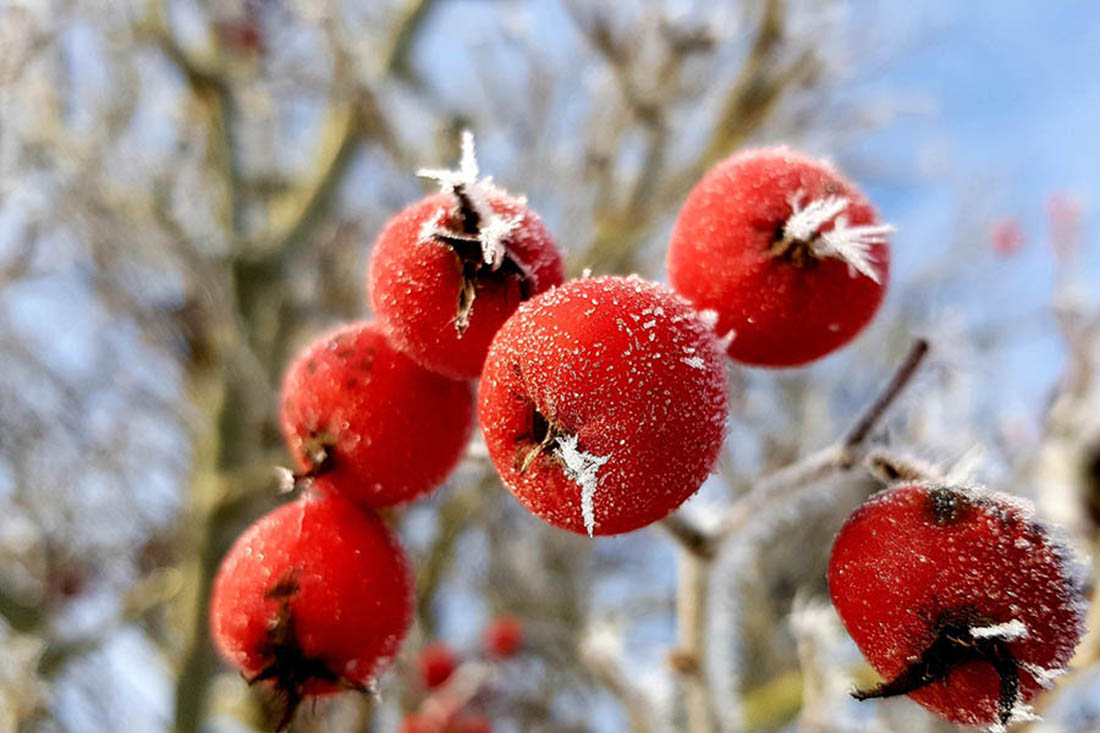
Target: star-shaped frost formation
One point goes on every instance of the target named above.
(850, 244)
(289, 670)
(482, 241)
(957, 643)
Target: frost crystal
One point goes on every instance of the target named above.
(467, 174)
(466, 182)
(492, 234)
(1044, 676)
(851, 244)
(1008, 631)
(582, 468)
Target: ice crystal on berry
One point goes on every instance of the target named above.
(852, 244)
(582, 467)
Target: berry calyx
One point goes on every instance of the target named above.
(435, 663)
(365, 421)
(313, 598)
(446, 272)
(788, 254)
(603, 404)
(959, 598)
(503, 637)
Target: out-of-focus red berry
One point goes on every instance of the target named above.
(788, 253)
(603, 404)
(471, 723)
(503, 637)
(313, 598)
(1065, 212)
(1007, 237)
(370, 422)
(435, 663)
(958, 598)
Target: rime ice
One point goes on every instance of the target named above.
(915, 560)
(610, 385)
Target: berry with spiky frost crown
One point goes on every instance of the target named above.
(789, 255)
(446, 272)
(603, 404)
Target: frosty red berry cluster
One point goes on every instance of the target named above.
(602, 401)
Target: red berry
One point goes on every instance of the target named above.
(470, 723)
(603, 404)
(1007, 237)
(314, 597)
(503, 636)
(446, 272)
(958, 598)
(435, 663)
(419, 723)
(786, 251)
(369, 421)
(459, 722)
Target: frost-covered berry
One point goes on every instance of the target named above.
(959, 598)
(368, 421)
(313, 598)
(446, 272)
(435, 664)
(786, 251)
(503, 637)
(603, 404)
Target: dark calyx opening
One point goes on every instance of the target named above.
(318, 449)
(539, 440)
(467, 247)
(946, 505)
(955, 645)
(289, 669)
(794, 251)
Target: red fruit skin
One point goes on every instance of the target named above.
(503, 637)
(394, 430)
(459, 723)
(471, 723)
(894, 571)
(435, 663)
(718, 258)
(627, 367)
(415, 285)
(354, 591)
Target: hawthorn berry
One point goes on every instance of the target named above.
(368, 422)
(959, 598)
(503, 637)
(787, 252)
(603, 403)
(313, 598)
(435, 663)
(446, 272)
(460, 722)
